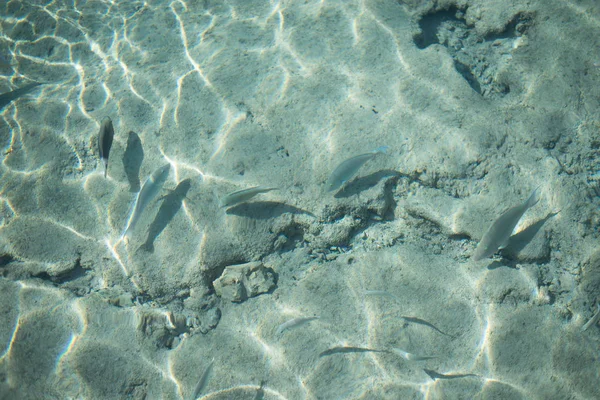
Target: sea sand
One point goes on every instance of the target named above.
(479, 103)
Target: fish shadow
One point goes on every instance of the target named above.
(9, 97)
(518, 242)
(132, 161)
(264, 210)
(362, 183)
(167, 211)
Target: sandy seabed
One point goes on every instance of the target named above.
(479, 102)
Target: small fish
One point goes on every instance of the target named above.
(243, 195)
(9, 97)
(260, 393)
(105, 139)
(593, 321)
(498, 234)
(436, 375)
(294, 323)
(381, 293)
(347, 169)
(203, 381)
(409, 356)
(348, 349)
(420, 321)
(149, 190)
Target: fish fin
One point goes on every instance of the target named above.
(533, 199)
(504, 243)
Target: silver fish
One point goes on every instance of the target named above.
(105, 139)
(349, 349)
(410, 356)
(436, 375)
(347, 169)
(243, 195)
(203, 381)
(293, 323)
(7, 98)
(149, 190)
(501, 229)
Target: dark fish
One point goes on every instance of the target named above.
(9, 97)
(344, 349)
(593, 321)
(260, 393)
(425, 323)
(436, 375)
(105, 139)
(203, 381)
(168, 209)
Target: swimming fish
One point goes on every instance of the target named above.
(420, 321)
(9, 97)
(105, 139)
(260, 393)
(593, 321)
(347, 169)
(149, 190)
(203, 381)
(347, 349)
(409, 356)
(294, 323)
(243, 195)
(436, 375)
(501, 229)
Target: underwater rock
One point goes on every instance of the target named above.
(239, 282)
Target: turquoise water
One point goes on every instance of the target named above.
(292, 291)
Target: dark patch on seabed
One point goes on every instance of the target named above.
(477, 58)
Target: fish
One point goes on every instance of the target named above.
(499, 232)
(347, 169)
(9, 97)
(348, 349)
(203, 381)
(260, 393)
(593, 321)
(105, 139)
(411, 357)
(149, 190)
(436, 375)
(243, 195)
(420, 321)
(294, 323)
